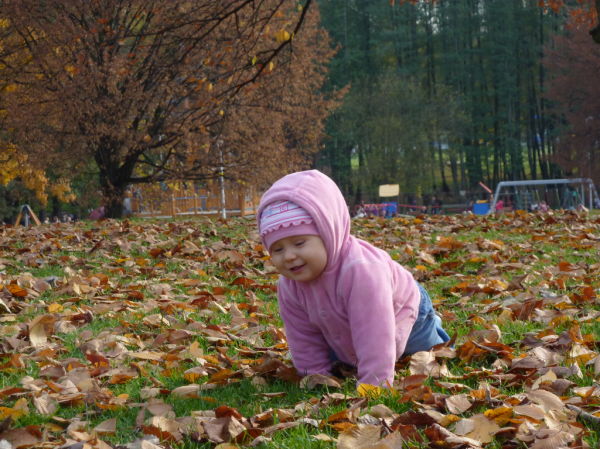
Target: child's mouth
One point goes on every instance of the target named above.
(297, 268)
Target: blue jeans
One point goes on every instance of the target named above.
(427, 330)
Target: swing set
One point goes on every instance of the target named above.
(546, 194)
(27, 214)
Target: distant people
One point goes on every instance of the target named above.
(391, 209)
(360, 211)
(436, 205)
(499, 206)
(98, 213)
(413, 203)
(127, 206)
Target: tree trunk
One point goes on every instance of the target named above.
(114, 179)
(113, 193)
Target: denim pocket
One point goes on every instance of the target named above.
(425, 305)
(427, 331)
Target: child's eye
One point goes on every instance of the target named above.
(300, 243)
(277, 250)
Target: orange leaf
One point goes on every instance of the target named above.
(16, 290)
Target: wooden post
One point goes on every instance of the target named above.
(242, 202)
(173, 206)
(195, 203)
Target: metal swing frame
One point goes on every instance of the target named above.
(583, 183)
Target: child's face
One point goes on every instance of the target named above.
(299, 257)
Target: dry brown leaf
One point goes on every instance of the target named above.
(313, 380)
(220, 430)
(324, 437)
(168, 429)
(159, 408)
(39, 330)
(108, 427)
(147, 355)
(477, 427)
(546, 399)
(358, 437)
(425, 363)
(381, 411)
(45, 404)
(458, 404)
(552, 439)
(439, 433)
(186, 391)
(24, 437)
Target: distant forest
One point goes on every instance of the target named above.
(445, 94)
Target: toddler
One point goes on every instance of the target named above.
(340, 297)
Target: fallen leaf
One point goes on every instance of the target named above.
(107, 427)
(313, 380)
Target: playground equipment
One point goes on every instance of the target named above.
(546, 193)
(25, 214)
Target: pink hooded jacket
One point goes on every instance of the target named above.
(364, 304)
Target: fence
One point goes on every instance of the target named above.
(189, 202)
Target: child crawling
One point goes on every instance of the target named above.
(340, 297)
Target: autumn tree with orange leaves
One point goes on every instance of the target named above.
(152, 91)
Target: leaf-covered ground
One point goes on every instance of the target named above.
(139, 334)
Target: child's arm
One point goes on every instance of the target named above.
(310, 351)
(372, 322)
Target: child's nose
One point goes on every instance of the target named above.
(290, 254)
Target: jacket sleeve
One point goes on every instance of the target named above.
(307, 345)
(369, 292)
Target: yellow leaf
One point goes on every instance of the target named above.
(254, 60)
(55, 308)
(13, 413)
(282, 36)
(71, 69)
(449, 419)
(21, 404)
(501, 415)
(369, 391)
(192, 377)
